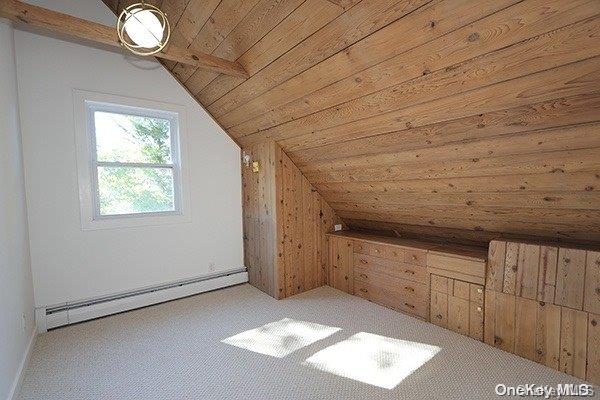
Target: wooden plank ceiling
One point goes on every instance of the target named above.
(456, 118)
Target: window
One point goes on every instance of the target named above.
(131, 170)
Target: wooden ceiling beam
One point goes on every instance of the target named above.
(38, 17)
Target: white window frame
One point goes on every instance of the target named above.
(86, 104)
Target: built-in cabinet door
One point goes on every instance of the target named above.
(457, 305)
(340, 264)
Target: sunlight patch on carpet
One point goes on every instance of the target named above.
(281, 338)
(376, 360)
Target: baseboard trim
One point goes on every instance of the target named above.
(47, 319)
(18, 381)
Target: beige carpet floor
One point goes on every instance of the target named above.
(238, 343)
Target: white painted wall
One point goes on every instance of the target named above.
(16, 291)
(70, 264)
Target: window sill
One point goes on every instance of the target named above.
(133, 221)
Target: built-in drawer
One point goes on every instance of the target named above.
(373, 249)
(409, 288)
(394, 268)
(463, 269)
(415, 256)
(395, 299)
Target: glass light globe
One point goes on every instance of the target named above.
(144, 28)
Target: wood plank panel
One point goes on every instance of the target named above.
(573, 342)
(547, 273)
(511, 267)
(504, 323)
(307, 19)
(456, 71)
(527, 273)
(495, 266)
(547, 335)
(568, 80)
(536, 116)
(458, 315)
(438, 312)
(355, 24)
(570, 278)
(592, 283)
(416, 30)
(476, 321)
(525, 328)
(285, 226)
(263, 17)
(593, 355)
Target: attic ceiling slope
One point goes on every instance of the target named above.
(454, 118)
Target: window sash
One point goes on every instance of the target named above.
(95, 164)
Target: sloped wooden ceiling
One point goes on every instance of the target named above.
(456, 118)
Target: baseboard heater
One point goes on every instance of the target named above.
(70, 313)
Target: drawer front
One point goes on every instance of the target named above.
(389, 267)
(397, 300)
(373, 249)
(395, 253)
(469, 268)
(408, 288)
(360, 247)
(414, 256)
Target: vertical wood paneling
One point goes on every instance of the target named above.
(570, 278)
(489, 328)
(511, 265)
(573, 342)
(476, 321)
(504, 323)
(547, 273)
(592, 283)
(593, 339)
(547, 335)
(285, 222)
(495, 271)
(458, 315)
(438, 311)
(525, 328)
(527, 273)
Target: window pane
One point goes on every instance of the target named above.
(129, 138)
(128, 190)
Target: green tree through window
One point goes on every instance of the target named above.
(147, 184)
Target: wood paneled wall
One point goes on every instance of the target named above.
(542, 302)
(285, 222)
(459, 119)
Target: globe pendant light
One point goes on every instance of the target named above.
(143, 29)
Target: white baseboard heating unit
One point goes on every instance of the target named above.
(70, 313)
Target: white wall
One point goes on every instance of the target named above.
(70, 264)
(16, 291)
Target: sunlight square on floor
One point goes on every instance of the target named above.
(281, 338)
(376, 360)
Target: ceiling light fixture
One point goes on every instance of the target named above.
(143, 29)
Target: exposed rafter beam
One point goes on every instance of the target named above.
(38, 17)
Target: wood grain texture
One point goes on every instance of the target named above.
(285, 225)
(570, 278)
(573, 342)
(452, 119)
